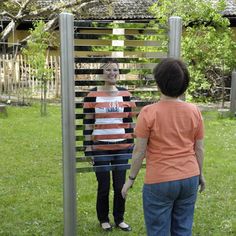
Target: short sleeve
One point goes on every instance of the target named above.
(200, 128)
(142, 129)
(89, 101)
(88, 105)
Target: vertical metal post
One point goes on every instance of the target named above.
(175, 32)
(68, 122)
(233, 93)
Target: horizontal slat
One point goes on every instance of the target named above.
(131, 66)
(98, 59)
(100, 152)
(136, 90)
(89, 132)
(89, 99)
(115, 155)
(131, 28)
(88, 143)
(119, 31)
(105, 168)
(105, 23)
(110, 42)
(121, 54)
(92, 121)
(124, 156)
(119, 48)
(89, 82)
(150, 81)
(134, 71)
(82, 116)
(82, 127)
(144, 23)
(138, 103)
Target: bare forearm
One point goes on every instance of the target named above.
(199, 151)
(137, 159)
(138, 156)
(136, 164)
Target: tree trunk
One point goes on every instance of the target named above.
(41, 98)
(45, 98)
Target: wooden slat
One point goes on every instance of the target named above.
(133, 71)
(124, 24)
(131, 54)
(97, 59)
(83, 115)
(92, 42)
(119, 82)
(83, 127)
(89, 132)
(120, 48)
(111, 31)
(105, 168)
(79, 104)
(131, 65)
(109, 42)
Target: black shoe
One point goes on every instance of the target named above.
(106, 228)
(127, 228)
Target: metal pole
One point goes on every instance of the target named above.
(68, 122)
(233, 93)
(175, 32)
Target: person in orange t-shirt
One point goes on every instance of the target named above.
(169, 134)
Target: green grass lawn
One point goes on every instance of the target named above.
(31, 188)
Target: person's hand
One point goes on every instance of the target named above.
(128, 184)
(202, 183)
(89, 149)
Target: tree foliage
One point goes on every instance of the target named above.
(208, 45)
(37, 59)
(17, 11)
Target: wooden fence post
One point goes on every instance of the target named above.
(233, 93)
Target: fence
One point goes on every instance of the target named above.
(137, 47)
(17, 77)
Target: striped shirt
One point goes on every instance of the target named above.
(112, 117)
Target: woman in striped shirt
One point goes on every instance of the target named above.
(108, 110)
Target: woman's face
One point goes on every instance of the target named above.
(110, 73)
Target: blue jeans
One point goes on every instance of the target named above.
(169, 207)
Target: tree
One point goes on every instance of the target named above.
(36, 52)
(19, 10)
(208, 46)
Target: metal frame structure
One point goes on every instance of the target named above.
(68, 109)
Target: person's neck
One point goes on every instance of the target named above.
(167, 98)
(109, 88)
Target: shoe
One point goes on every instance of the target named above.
(106, 226)
(123, 226)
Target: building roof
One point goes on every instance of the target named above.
(230, 9)
(134, 9)
(119, 9)
(126, 9)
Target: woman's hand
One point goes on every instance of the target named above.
(202, 183)
(128, 184)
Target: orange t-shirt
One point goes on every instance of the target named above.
(172, 127)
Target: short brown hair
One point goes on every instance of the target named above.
(172, 77)
(105, 61)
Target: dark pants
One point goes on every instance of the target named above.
(103, 178)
